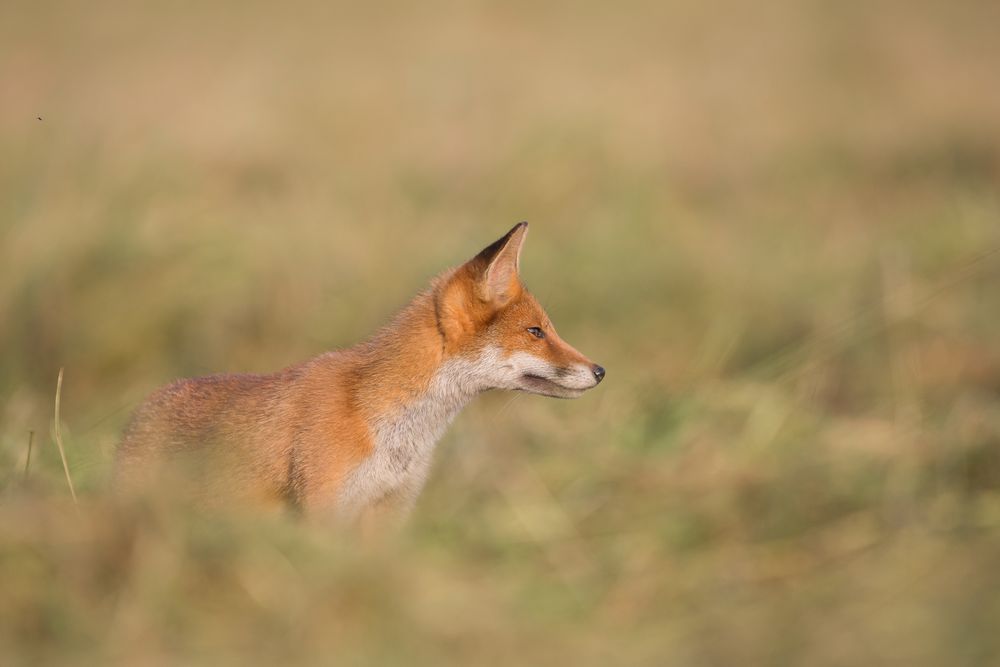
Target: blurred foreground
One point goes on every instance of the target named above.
(775, 224)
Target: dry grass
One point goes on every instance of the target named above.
(775, 224)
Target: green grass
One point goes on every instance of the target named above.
(777, 225)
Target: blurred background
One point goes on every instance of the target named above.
(775, 223)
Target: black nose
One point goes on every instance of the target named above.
(598, 372)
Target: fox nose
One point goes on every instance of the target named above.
(598, 372)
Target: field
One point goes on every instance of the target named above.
(776, 224)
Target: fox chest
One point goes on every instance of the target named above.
(396, 470)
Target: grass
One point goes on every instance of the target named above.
(57, 435)
(775, 225)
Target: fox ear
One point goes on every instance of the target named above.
(497, 267)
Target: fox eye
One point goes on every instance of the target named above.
(536, 332)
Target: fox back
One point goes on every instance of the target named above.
(350, 434)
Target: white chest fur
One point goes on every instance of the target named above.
(405, 440)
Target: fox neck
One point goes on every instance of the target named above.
(408, 434)
(407, 361)
(409, 391)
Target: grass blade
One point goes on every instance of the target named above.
(58, 435)
(27, 461)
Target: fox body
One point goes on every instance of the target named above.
(351, 432)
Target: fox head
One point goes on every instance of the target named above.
(490, 321)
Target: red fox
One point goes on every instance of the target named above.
(351, 432)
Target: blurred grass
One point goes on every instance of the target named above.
(772, 222)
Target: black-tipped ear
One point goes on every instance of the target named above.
(497, 266)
